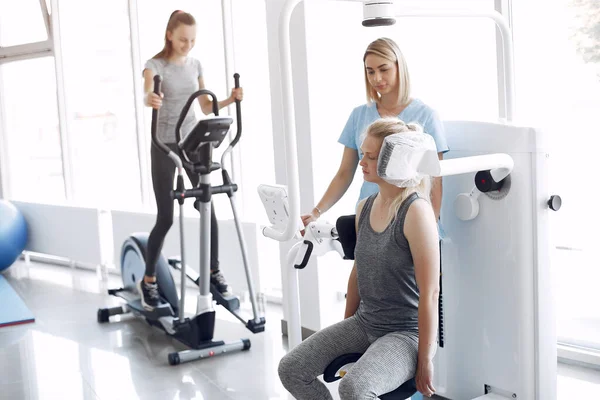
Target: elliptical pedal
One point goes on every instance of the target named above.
(231, 303)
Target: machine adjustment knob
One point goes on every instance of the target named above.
(486, 183)
(555, 202)
(466, 206)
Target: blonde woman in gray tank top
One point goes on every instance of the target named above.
(181, 76)
(391, 308)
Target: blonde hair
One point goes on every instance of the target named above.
(388, 49)
(177, 18)
(388, 126)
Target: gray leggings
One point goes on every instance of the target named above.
(388, 362)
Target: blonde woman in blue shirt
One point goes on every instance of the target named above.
(388, 85)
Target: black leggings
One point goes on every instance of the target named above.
(163, 172)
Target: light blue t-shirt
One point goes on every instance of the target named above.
(363, 116)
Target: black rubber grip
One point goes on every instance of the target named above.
(238, 112)
(306, 255)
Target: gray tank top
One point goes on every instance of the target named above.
(178, 83)
(389, 297)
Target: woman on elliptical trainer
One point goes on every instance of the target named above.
(181, 76)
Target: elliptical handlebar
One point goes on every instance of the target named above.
(188, 104)
(238, 112)
(154, 126)
(215, 106)
(238, 117)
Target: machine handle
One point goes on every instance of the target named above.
(238, 112)
(186, 108)
(154, 126)
(236, 78)
(238, 135)
(308, 245)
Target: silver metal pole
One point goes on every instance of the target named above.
(204, 271)
(192, 355)
(183, 264)
(249, 280)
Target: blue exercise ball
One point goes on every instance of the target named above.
(13, 234)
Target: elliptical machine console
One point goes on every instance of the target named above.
(194, 153)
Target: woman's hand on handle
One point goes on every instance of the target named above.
(308, 218)
(424, 378)
(153, 100)
(237, 94)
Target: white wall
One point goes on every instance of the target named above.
(75, 233)
(3, 170)
(92, 237)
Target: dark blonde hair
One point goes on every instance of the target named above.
(388, 49)
(388, 126)
(176, 19)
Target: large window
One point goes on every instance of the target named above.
(21, 22)
(255, 155)
(558, 87)
(31, 148)
(31, 132)
(98, 76)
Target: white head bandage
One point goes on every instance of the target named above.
(402, 157)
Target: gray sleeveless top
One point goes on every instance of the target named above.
(389, 297)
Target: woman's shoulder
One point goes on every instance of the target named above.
(419, 106)
(371, 106)
(416, 208)
(193, 61)
(361, 207)
(421, 113)
(155, 63)
(363, 110)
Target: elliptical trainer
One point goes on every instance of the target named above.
(195, 155)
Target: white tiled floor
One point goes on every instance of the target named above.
(66, 354)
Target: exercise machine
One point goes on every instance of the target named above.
(321, 237)
(496, 337)
(194, 153)
(499, 339)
